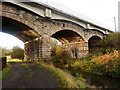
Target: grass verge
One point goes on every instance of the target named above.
(66, 80)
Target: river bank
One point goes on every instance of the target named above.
(98, 71)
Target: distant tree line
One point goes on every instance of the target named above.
(15, 52)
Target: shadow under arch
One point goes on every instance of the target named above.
(71, 43)
(93, 43)
(67, 36)
(18, 29)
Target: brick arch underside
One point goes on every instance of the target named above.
(67, 36)
(18, 29)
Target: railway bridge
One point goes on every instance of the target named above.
(35, 22)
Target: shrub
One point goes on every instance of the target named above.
(57, 51)
(108, 63)
(111, 63)
(53, 51)
(110, 42)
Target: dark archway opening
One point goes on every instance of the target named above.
(70, 40)
(93, 44)
(18, 29)
(67, 36)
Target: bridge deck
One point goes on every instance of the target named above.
(61, 8)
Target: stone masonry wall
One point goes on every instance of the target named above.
(76, 50)
(38, 49)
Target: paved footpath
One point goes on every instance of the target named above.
(34, 77)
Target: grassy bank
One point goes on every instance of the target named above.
(108, 64)
(66, 79)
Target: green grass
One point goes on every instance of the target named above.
(5, 72)
(66, 79)
(13, 60)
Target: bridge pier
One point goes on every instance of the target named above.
(37, 49)
(76, 49)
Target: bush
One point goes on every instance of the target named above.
(110, 42)
(53, 51)
(17, 52)
(57, 51)
(108, 63)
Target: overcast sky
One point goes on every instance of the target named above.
(101, 10)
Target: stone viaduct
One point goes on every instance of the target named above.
(35, 23)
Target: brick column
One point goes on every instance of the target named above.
(32, 50)
(46, 47)
(37, 49)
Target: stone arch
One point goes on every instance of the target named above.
(93, 43)
(18, 29)
(23, 16)
(24, 33)
(94, 32)
(67, 36)
(73, 44)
